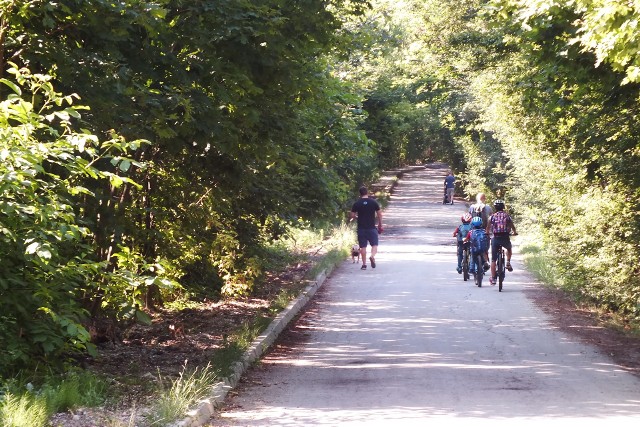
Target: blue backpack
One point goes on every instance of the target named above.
(463, 230)
(479, 241)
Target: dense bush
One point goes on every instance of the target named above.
(49, 259)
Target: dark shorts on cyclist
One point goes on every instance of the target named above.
(497, 241)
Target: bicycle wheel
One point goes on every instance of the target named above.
(465, 265)
(479, 271)
(501, 269)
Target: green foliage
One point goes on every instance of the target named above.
(606, 28)
(129, 283)
(48, 257)
(251, 127)
(43, 245)
(568, 131)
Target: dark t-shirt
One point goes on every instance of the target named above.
(449, 181)
(366, 209)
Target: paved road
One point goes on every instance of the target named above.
(410, 343)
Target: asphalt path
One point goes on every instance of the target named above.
(411, 343)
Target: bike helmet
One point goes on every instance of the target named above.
(466, 218)
(498, 204)
(476, 221)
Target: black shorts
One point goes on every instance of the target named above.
(369, 235)
(503, 241)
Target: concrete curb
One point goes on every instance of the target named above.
(206, 407)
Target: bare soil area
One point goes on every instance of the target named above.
(146, 355)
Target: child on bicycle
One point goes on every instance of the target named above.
(500, 224)
(479, 244)
(461, 232)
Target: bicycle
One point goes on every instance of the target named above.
(501, 269)
(465, 261)
(501, 266)
(479, 271)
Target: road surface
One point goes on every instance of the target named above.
(411, 343)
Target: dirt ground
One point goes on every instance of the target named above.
(191, 336)
(145, 354)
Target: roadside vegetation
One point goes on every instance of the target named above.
(159, 154)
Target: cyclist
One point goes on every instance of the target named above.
(461, 232)
(479, 244)
(500, 225)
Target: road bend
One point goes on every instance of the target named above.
(411, 343)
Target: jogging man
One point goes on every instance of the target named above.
(366, 209)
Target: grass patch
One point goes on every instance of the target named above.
(79, 388)
(540, 264)
(324, 246)
(182, 302)
(332, 257)
(184, 392)
(383, 198)
(279, 254)
(23, 404)
(283, 299)
(236, 344)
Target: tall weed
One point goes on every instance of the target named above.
(184, 392)
(24, 410)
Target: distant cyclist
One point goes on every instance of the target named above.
(500, 225)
